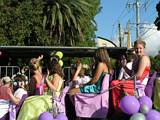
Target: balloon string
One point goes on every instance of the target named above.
(121, 83)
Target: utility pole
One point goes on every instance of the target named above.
(129, 45)
(128, 33)
(137, 18)
(137, 4)
(120, 37)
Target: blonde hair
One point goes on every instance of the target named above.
(140, 41)
(34, 64)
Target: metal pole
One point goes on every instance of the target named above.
(137, 18)
(129, 45)
(120, 37)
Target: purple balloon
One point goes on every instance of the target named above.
(46, 116)
(145, 100)
(61, 116)
(129, 105)
(153, 115)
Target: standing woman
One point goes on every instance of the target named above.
(140, 70)
(102, 66)
(37, 81)
(54, 79)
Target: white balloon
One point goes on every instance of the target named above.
(137, 116)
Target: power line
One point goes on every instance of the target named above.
(150, 35)
(146, 6)
(138, 5)
(122, 15)
(145, 32)
(149, 28)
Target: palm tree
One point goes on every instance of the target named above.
(63, 20)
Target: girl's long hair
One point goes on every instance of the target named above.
(101, 55)
(54, 67)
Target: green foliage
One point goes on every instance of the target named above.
(114, 62)
(87, 43)
(21, 23)
(155, 63)
(84, 60)
(51, 22)
(89, 28)
(70, 22)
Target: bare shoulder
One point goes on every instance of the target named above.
(103, 67)
(101, 64)
(145, 59)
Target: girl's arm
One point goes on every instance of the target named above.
(14, 99)
(79, 67)
(97, 74)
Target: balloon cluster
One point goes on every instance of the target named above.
(49, 116)
(139, 109)
(58, 54)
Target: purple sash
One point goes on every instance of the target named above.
(12, 112)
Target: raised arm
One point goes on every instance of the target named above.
(79, 67)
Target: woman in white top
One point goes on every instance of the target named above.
(128, 63)
(80, 77)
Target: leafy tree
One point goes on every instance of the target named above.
(51, 22)
(21, 23)
(63, 19)
(155, 63)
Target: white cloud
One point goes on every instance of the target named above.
(151, 37)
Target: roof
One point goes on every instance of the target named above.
(105, 42)
(34, 51)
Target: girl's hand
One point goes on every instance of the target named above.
(123, 63)
(40, 57)
(46, 76)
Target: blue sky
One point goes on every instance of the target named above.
(115, 11)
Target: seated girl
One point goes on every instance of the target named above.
(101, 67)
(80, 76)
(128, 64)
(140, 70)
